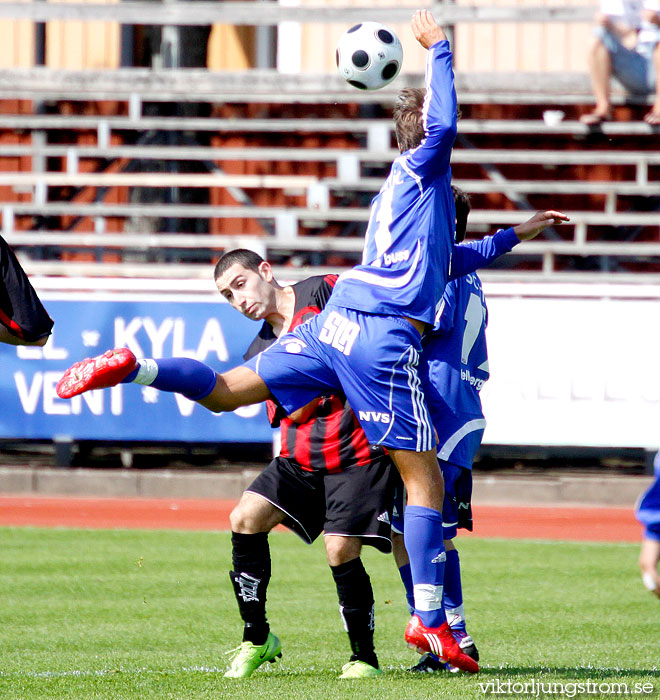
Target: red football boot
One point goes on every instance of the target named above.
(439, 641)
(98, 372)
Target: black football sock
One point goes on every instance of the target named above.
(356, 605)
(250, 577)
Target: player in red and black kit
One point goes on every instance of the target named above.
(327, 479)
(23, 319)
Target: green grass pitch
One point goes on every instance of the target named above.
(148, 614)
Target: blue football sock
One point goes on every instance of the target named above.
(453, 592)
(426, 549)
(130, 377)
(181, 375)
(406, 578)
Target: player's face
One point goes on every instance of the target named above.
(248, 291)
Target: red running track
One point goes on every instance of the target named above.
(551, 523)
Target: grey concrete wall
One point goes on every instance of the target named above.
(596, 490)
(135, 483)
(118, 483)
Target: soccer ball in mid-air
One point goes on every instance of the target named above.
(369, 56)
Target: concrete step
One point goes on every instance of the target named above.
(532, 489)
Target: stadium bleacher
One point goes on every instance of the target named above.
(320, 191)
(91, 172)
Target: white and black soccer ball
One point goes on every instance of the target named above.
(369, 56)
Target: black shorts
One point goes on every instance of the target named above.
(356, 502)
(21, 311)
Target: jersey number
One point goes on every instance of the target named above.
(475, 314)
(339, 332)
(384, 215)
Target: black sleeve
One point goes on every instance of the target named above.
(263, 339)
(324, 290)
(21, 310)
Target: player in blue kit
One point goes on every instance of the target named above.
(647, 512)
(454, 369)
(367, 340)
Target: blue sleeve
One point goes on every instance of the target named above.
(473, 255)
(440, 115)
(445, 319)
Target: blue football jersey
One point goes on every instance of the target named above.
(457, 367)
(410, 234)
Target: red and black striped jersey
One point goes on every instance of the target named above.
(331, 439)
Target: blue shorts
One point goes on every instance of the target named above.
(647, 510)
(652, 532)
(456, 506)
(633, 68)
(372, 359)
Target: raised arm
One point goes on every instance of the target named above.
(440, 112)
(474, 255)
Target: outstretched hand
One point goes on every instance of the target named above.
(426, 30)
(542, 219)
